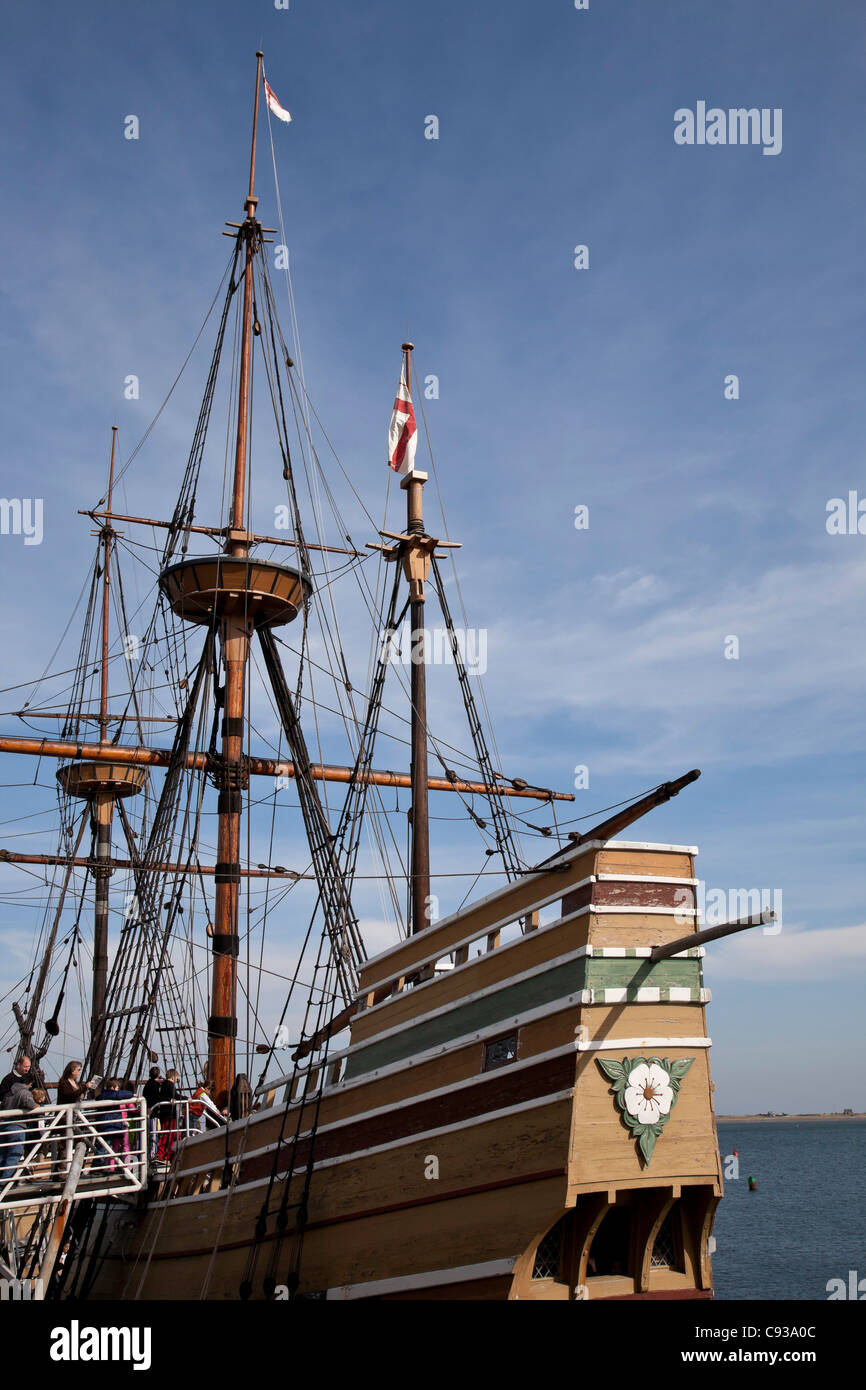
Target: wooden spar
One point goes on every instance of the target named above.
(250, 231)
(416, 565)
(110, 718)
(258, 767)
(8, 856)
(671, 948)
(102, 805)
(252, 538)
(235, 633)
(106, 589)
(606, 829)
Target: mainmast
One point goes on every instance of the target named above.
(235, 634)
(234, 594)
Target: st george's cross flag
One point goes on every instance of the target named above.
(403, 431)
(273, 105)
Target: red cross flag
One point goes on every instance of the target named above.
(273, 104)
(403, 431)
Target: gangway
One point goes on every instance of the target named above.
(37, 1149)
(51, 1158)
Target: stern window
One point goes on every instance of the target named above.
(500, 1052)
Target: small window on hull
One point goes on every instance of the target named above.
(666, 1250)
(548, 1256)
(500, 1052)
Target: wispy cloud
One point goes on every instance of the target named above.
(796, 953)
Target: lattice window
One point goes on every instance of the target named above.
(664, 1255)
(500, 1052)
(548, 1256)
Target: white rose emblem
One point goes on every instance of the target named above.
(648, 1094)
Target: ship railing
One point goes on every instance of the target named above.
(170, 1122)
(37, 1148)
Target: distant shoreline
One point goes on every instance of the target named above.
(770, 1119)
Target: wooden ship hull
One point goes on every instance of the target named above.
(468, 1143)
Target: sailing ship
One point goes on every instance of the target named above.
(511, 1101)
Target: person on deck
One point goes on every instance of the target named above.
(113, 1123)
(70, 1087)
(69, 1090)
(21, 1072)
(13, 1132)
(197, 1104)
(167, 1110)
(152, 1090)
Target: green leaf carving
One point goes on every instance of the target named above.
(679, 1068)
(618, 1073)
(647, 1141)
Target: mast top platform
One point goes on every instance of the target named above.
(261, 592)
(89, 781)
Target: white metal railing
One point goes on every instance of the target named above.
(37, 1146)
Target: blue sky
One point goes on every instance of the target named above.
(558, 387)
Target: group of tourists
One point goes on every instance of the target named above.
(170, 1116)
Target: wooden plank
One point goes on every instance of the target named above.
(603, 1149)
(442, 1232)
(667, 863)
(496, 1090)
(634, 928)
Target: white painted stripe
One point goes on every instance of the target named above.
(567, 857)
(613, 1044)
(614, 909)
(432, 1279)
(650, 995)
(636, 952)
(646, 878)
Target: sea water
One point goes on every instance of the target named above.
(805, 1225)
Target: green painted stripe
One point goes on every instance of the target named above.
(630, 970)
(470, 1018)
(587, 972)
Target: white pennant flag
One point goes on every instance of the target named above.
(273, 104)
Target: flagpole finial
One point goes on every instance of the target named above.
(408, 347)
(259, 53)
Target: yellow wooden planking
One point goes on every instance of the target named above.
(603, 1150)
(664, 863)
